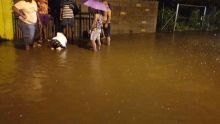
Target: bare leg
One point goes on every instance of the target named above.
(45, 32)
(41, 34)
(65, 31)
(68, 31)
(72, 34)
(108, 40)
(100, 44)
(94, 46)
(58, 48)
(27, 47)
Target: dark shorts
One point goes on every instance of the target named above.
(107, 30)
(55, 44)
(44, 18)
(67, 22)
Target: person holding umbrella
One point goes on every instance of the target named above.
(97, 24)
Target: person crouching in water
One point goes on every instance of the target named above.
(59, 42)
(96, 30)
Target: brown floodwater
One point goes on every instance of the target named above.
(140, 79)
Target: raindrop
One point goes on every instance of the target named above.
(119, 111)
(106, 93)
(133, 118)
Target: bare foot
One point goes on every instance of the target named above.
(34, 45)
(59, 49)
(94, 50)
(39, 45)
(27, 47)
(99, 48)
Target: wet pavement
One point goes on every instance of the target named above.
(140, 79)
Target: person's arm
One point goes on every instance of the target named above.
(61, 13)
(94, 22)
(19, 12)
(39, 20)
(109, 16)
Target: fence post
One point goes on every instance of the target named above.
(177, 11)
(204, 17)
(89, 20)
(80, 22)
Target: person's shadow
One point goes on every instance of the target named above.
(84, 42)
(2, 39)
(19, 44)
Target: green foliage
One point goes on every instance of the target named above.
(195, 20)
(191, 22)
(213, 20)
(165, 16)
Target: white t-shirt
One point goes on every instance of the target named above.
(61, 38)
(29, 9)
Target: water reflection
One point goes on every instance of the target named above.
(8, 67)
(62, 57)
(33, 72)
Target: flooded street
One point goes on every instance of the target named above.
(140, 79)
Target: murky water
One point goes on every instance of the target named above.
(139, 79)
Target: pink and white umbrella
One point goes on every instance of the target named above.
(96, 5)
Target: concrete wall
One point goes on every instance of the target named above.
(133, 16)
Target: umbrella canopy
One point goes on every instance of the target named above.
(96, 5)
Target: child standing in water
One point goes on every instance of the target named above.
(96, 29)
(44, 18)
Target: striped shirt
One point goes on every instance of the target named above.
(67, 12)
(67, 7)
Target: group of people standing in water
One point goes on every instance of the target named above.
(34, 13)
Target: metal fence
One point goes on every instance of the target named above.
(82, 23)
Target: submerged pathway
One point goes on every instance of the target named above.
(139, 79)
